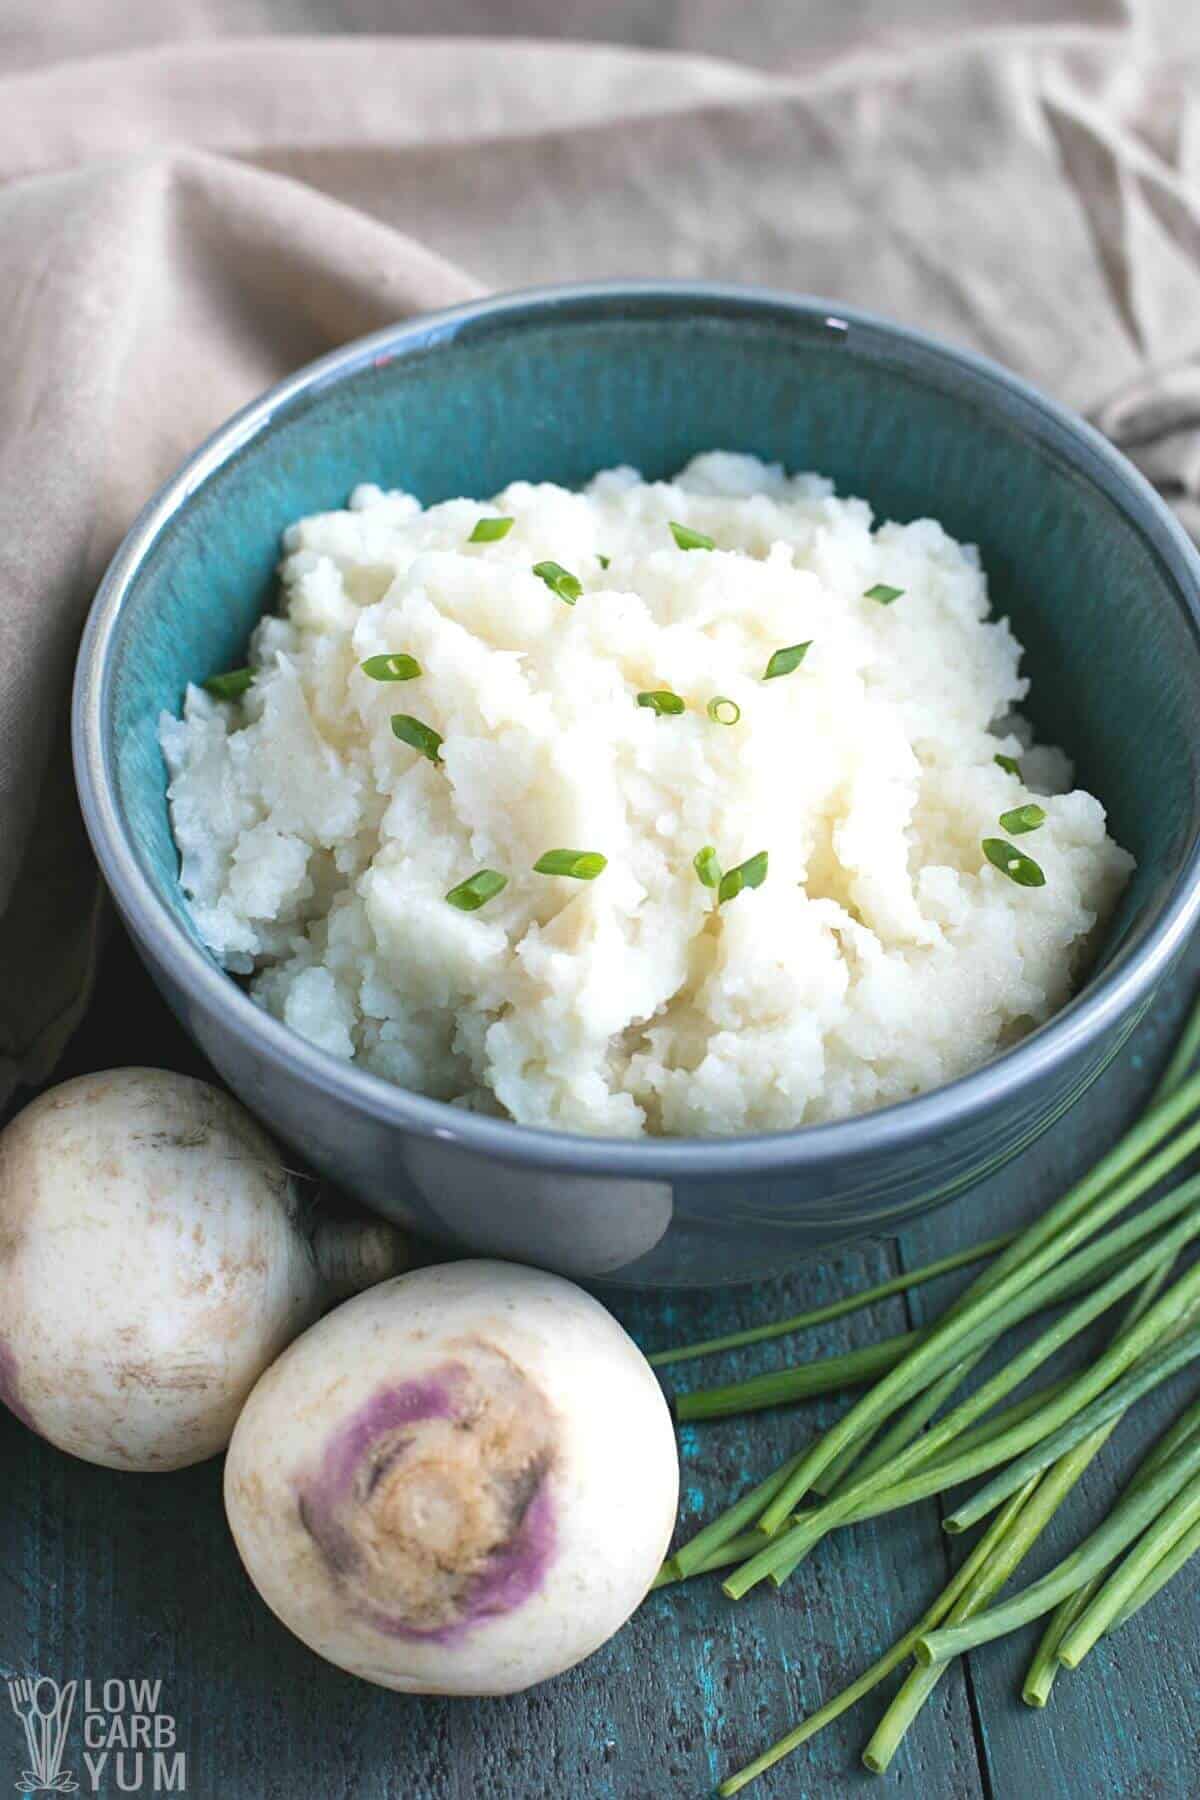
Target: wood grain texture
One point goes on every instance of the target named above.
(108, 1575)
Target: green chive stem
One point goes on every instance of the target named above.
(729, 1523)
(732, 1551)
(825, 1375)
(1113, 1184)
(879, 1670)
(836, 1309)
(1128, 1519)
(1149, 1373)
(865, 1498)
(1162, 1572)
(1174, 1523)
(1040, 1501)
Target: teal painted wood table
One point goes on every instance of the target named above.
(107, 1579)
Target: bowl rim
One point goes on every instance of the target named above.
(901, 1126)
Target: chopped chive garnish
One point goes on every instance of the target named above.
(1022, 818)
(477, 890)
(582, 865)
(687, 539)
(784, 661)
(661, 701)
(1009, 764)
(230, 686)
(707, 866)
(602, 559)
(723, 711)
(560, 581)
(394, 666)
(883, 593)
(750, 874)
(421, 737)
(1013, 862)
(489, 531)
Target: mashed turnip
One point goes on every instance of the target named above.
(882, 955)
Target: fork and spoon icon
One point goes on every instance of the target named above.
(44, 1709)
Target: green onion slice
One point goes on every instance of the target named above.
(230, 686)
(560, 581)
(687, 539)
(723, 711)
(490, 531)
(750, 874)
(662, 701)
(602, 559)
(784, 661)
(707, 866)
(1009, 764)
(1013, 862)
(1022, 818)
(883, 593)
(421, 737)
(477, 890)
(393, 666)
(581, 865)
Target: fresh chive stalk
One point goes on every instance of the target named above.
(863, 1499)
(1148, 1373)
(791, 1474)
(827, 1375)
(880, 1670)
(1040, 1500)
(1126, 1522)
(836, 1309)
(1173, 1524)
(1009, 764)
(1163, 1571)
(1114, 1183)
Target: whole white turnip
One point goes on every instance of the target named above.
(152, 1265)
(461, 1482)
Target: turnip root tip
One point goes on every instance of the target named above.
(431, 1506)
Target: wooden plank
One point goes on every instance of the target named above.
(123, 1574)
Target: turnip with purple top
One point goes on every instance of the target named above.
(461, 1482)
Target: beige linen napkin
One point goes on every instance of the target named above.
(182, 222)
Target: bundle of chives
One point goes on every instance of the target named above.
(1068, 1421)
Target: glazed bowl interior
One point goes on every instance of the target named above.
(555, 386)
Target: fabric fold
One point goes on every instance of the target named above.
(183, 223)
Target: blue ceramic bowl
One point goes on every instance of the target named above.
(1101, 584)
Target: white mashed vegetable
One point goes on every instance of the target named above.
(882, 955)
